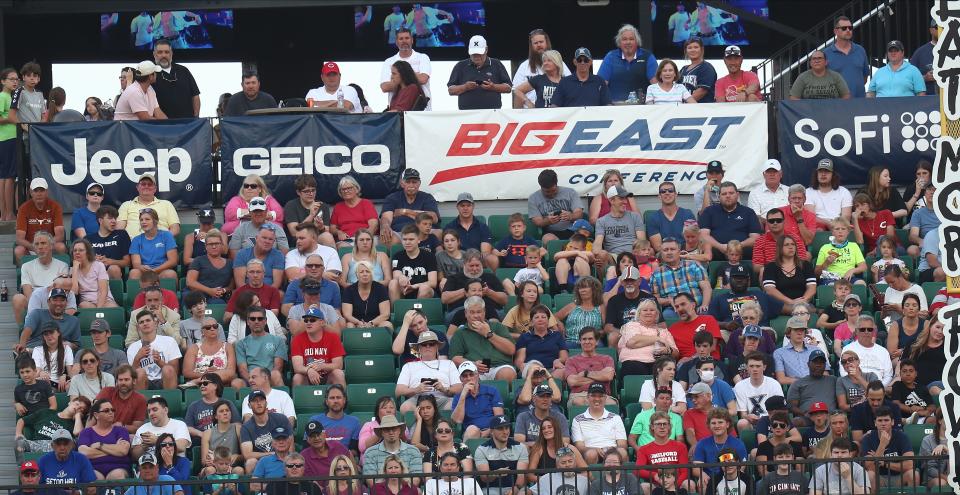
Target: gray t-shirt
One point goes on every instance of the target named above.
(81, 385)
(111, 360)
(625, 484)
(29, 104)
(557, 483)
(69, 326)
(826, 479)
(619, 234)
(810, 87)
(242, 236)
(808, 390)
(855, 393)
(238, 104)
(447, 265)
(566, 199)
(529, 425)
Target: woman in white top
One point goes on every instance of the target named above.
(238, 323)
(668, 91)
(54, 359)
(897, 286)
(664, 372)
(826, 197)
(90, 281)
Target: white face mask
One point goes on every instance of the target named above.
(706, 375)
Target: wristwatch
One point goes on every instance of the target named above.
(489, 334)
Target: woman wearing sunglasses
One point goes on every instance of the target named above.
(211, 355)
(171, 464)
(106, 444)
(200, 415)
(238, 208)
(91, 379)
(443, 435)
(343, 466)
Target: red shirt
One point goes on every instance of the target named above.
(873, 229)
(576, 365)
(328, 348)
(169, 300)
(270, 297)
(31, 219)
(765, 250)
(684, 331)
(350, 219)
(728, 86)
(651, 454)
(790, 225)
(126, 411)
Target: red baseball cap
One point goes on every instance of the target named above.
(29, 466)
(819, 407)
(330, 67)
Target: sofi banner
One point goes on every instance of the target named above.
(279, 148)
(497, 154)
(116, 153)
(857, 134)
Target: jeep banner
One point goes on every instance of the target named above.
(116, 153)
(497, 154)
(857, 134)
(279, 148)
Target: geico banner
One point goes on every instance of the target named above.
(857, 134)
(116, 153)
(279, 148)
(497, 154)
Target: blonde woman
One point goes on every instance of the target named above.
(238, 208)
(643, 341)
(542, 84)
(600, 205)
(343, 467)
(352, 214)
(363, 250)
(366, 303)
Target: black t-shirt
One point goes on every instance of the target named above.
(621, 310)
(175, 92)
(917, 396)
(459, 281)
(239, 104)
(415, 269)
(366, 310)
(544, 88)
(930, 366)
(792, 287)
(737, 365)
(114, 246)
(289, 488)
(811, 437)
(492, 70)
(34, 397)
(766, 448)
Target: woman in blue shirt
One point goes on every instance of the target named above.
(154, 250)
(171, 464)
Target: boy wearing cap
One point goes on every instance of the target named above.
(400, 208)
(129, 219)
(476, 404)
(84, 220)
(149, 472)
(738, 85)
(39, 213)
(710, 193)
(898, 77)
(752, 392)
(478, 81)
(111, 244)
(819, 414)
(431, 374)
(332, 90)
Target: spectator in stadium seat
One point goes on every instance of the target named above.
(588, 367)
(130, 406)
(500, 452)
(147, 436)
(753, 391)
(168, 297)
(738, 85)
(69, 326)
(259, 349)
(542, 344)
(419, 62)
(798, 220)
(110, 359)
(363, 250)
(600, 204)
(695, 425)
(642, 340)
(816, 387)
(690, 322)
(239, 208)
(400, 208)
(431, 374)
(311, 300)
(352, 213)
(65, 466)
(220, 443)
(329, 290)
(167, 319)
(455, 290)
(256, 433)
(772, 193)
(245, 234)
(138, 100)
(84, 219)
(863, 416)
(391, 431)
(819, 82)
(929, 268)
(676, 276)
(90, 279)
(936, 471)
(707, 450)
(332, 90)
(924, 352)
(477, 404)
(153, 250)
(898, 77)
(923, 219)
(201, 414)
(474, 234)
(130, 217)
(530, 422)
(766, 248)
(250, 98)
(840, 475)
(598, 429)
(263, 250)
(628, 67)
(367, 303)
(319, 452)
(445, 444)
(91, 379)
(873, 357)
(40, 213)
(554, 208)
(728, 221)
(885, 441)
(725, 307)
(478, 81)
(270, 298)
(486, 343)
(305, 209)
(660, 445)
(698, 77)
(43, 271)
(294, 466)
(169, 463)
(826, 197)
(852, 387)
(710, 193)
(617, 230)
(34, 432)
(272, 464)
(238, 328)
(787, 278)
(316, 353)
(112, 245)
(922, 59)
(414, 269)
(641, 431)
(155, 357)
(413, 325)
(111, 456)
(307, 244)
(212, 273)
(339, 426)
(668, 220)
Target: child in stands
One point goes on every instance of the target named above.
(512, 250)
(574, 261)
(533, 271)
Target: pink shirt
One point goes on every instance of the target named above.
(643, 354)
(133, 100)
(727, 87)
(90, 282)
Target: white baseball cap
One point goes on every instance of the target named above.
(772, 163)
(147, 67)
(38, 183)
(478, 45)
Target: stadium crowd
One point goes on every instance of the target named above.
(309, 339)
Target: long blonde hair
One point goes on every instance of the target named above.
(354, 483)
(264, 191)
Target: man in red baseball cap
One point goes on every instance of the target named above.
(818, 413)
(30, 481)
(333, 94)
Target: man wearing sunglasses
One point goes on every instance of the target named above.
(848, 58)
(129, 218)
(873, 357)
(319, 453)
(898, 77)
(582, 88)
(246, 233)
(294, 468)
(668, 220)
(431, 374)
(765, 249)
(314, 269)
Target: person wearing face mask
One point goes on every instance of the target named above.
(720, 391)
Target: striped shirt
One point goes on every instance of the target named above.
(765, 249)
(579, 318)
(668, 282)
(674, 96)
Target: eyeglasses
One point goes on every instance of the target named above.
(256, 318)
(668, 191)
(166, 77)
(583, 60)
(342, 468)
(778, 424)
(309, 190)
(441, 431)
(168, 444)
(844, 28)
(774, 220)
(314, 265)
(251, 186)
(851, 304)
(204, 383)
(106, 411)
(12, 79)
(347, 188)
(848, 360)
(866, 329)
(295, 466)
(661, 424)
(88, 361)
(95, 193)
(208, 327)
(818, 58)
(429, 344)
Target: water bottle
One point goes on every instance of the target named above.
(4, 294)
(632, 98)
(339, 98)
(714, 194)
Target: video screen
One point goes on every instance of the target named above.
(716, 27)
(184, 29)
(433, 24)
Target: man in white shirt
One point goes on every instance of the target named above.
(145, 439)
(772, 194)
(156, 358)
(430, 375)
(307, 244)
(753, 392)
(873, 358)
(327, 95)
(278, 401)
(597, 429)
(419, 61)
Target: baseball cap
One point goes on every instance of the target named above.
(49, 326)
(596, 388)
(499, 421)
(542, 389)
(61, 434)
(314, 427)
(256, 394)
(427, 336)
(818, 407)
(564, 452)
(258, 204)
(582, 52)
(853, 297)
(732, 51)
(797, 322)
(281, 431)
(618, 192)
(466, 366)
(817, 354)
(739, 271)
(147, 458)
(715, 166)
(775, 403)
(149, 176)
(57, 292)
(895, 45)
(99, 325)
(464, 197)
(772, 163)
(206, 215)
(147, 67)
(581, 225)
(699, 388)
(314, 312)
(411, 173)
(727, 455)
(94, 184)
(933, 23)
(29, 466)
(478, 45)
(825, 164)
(630, 273)
(330, 68)
(752, 331)
(38, 183)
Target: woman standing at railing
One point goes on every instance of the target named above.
(667, 90)
(543, 84)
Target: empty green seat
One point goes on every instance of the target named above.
(363, 396)
(631, 388)
(370, 368)
(173, 397)
(367, 340)
(310, 398)
(116, 318)
(432, 307)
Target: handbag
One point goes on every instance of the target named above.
(421, 102)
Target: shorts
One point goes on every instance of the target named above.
(492, 373)
(8, 159)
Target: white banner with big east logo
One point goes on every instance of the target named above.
(497, 154)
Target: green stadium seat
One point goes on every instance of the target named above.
(554, 247)
(370, 368)
(930, 289)
(117, 291)
(62, 400)
(191, 395)
(341, 251)
(825, 295)
(503, 387)
(473, 443)
(633, 409)
(363, 396)
(229, 393)
(631, 388)
(561, 300)
(500, 227)
(820, 238)
(185, 228)
(116, 317)
(749, 439)
(214, 310)
(432, 307)
(173, 397)
(302, 420)
(504, 273)
(916, 433)
(310, 398)
(367, 340)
